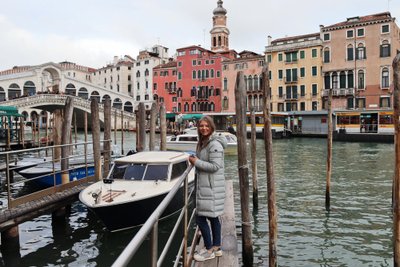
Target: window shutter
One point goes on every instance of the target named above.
(365, 52)
(381, 51)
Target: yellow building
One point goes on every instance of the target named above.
(295, 67)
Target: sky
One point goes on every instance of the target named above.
(92, 32)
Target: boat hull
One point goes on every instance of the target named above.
(135, 213)
(46, 178)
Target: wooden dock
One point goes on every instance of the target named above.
(28, 210)
(229, 257)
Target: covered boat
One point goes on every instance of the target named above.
(135, 186)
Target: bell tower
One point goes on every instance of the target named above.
(219, 32)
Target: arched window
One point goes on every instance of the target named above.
(350, 79)
(138, 74)
(117, 103)
(342, 79)
(146, 72)
(83, 93)
(327, 54)
(255, 83)
(225, 84)
(385, 78)
(350, 52)
(250, 82)
(361, 53)
(361, 79)
(70, 89)
(29, 88)
(14, 91)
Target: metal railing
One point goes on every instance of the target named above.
(85, 159)
(151, 227)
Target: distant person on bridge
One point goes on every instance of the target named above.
(210, 187)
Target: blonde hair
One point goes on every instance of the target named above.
(203, 139)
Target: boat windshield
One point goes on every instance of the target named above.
(140, 172)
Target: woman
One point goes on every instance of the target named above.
(210, 187)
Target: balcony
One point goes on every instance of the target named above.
(290, 81)
(338, 92)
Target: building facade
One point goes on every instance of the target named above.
(295, 65)
(251, 64)
(164, 86)
(357, 59)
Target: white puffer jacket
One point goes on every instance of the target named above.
(210, 187)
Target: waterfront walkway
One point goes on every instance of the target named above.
(229, 257)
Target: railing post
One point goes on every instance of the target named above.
(8, 180)
(185, 224)
(154, 244)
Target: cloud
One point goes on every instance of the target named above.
(25, 48)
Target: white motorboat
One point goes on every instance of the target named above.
(135, 186)
(188, 142)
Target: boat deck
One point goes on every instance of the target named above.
(229, 257)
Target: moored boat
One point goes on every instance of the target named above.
(188, 142)
(135, 186)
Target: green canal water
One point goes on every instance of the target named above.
(356, 232)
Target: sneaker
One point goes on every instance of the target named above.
(204, 255)
(217, 251)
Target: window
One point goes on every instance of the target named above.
(180, 64)
(385, 49)
(179, 75)
(326, 55)
(302, 106)
(314, 53)
(280, 74)
(280, 57)
(327, 36)
(291, 57)
(350, 102)
(342, 79)
(385, 78)
(280, 107)
(361, 53)
(350, 79)
(384, 102)
(385, 28)
(360, 102)
(334, 80)
(302, 54)
(302, 72)
(360, 32)
(314, 71)
(269, 58)
(280, 91)
(194, 62)
(302, 90)
(350, 34)
(361, 79)
(350, 52)
(225, 84)
(314, 105)
(314, 89)
(194, 75)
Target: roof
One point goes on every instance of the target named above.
(379, 17)
(154, 157)
(9, 111)
(297, 37)
(170, 64)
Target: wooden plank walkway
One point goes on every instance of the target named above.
(11, 217)
(229, 257)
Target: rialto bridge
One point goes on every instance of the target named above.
(37, 90)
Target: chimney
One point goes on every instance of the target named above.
(269, 40)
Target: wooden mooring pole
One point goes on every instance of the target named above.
(396, 179)
(163, 128)
(94, 108)
(272, 209)
(153, 118)
(254, 159)
(66, 130)
(142, 127)
(240, 98)
(122, 132)
(107, 136)
(329, 155)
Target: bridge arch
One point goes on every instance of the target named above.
(83, 93)
(2, 94)
(70, 89)
(95, 95)
(14, 91)
(51, 76)
(128, 106)
(105, 97)
(117, 103)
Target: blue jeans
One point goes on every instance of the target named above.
(205, 231)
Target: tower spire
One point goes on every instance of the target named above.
(219, 32)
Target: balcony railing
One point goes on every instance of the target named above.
(338, 92)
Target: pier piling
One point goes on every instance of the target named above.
(254, 159)
(329, 155)
(272, 210)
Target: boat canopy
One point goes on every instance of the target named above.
(9, 111)
(192, 116)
